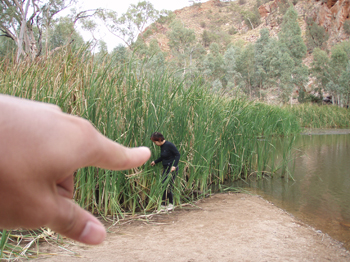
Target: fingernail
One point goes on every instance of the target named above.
(93, 233)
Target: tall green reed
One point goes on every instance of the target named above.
(220, 138)
(325, 116)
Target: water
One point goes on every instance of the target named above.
(320, 192)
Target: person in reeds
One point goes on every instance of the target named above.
(169, 156)
(40, 149)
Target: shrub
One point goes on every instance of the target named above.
(316, 35)
(202, 24)
(232, 31)
(207, 38)
(252, 18)
(283, 6)
(346, 26)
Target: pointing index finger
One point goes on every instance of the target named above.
(98, 150)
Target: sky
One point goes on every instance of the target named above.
(121, 7)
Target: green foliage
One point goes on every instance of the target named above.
(320, 67)
(127, 102)
(293, 47)
(130, 25)
(290, 36)
(28, 24)
(232, 31)
(7, 47)
(197, 3)
(345, 80)
(245, 67)
(317, 116)
(166, 17)
(213, 66)
(217, 36)
(283, 6)
(264, 51)
(331, 72)
(207, 38)
(180, 38)
(183, 47)
(316, 36)
(346, 27)
(120, 54)
(230, 67)
(252, 18)
(62, 33)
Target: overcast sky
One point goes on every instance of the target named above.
(121, 7)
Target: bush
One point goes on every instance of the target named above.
(218, 36)
(252, 18)
(232, 31)
(316, 35)
(283, 6)
(207, 38)
(202, 24)
(166, 19)
(346, 26)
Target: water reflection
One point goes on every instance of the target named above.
(320, 192)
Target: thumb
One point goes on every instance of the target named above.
(74, 222)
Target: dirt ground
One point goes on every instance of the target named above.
(224, 227)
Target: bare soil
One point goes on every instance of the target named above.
(224, 227)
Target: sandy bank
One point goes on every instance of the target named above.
(224, 227)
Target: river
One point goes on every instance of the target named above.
(319, 195)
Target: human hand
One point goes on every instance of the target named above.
(153, 163)
(40, 149)
(172, 169)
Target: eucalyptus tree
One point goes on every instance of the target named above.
(262, 56)
(330, 72)
(61, 33)
(151, 57)
(120, 54)
(182, 45)
(24, 22)
(316, 35)
(230, 57)
(345, 83)
(245, 67)
(292, 43)
(340, 56)
(290, 36)
(214, 68)
(132, 24)
(320, 69)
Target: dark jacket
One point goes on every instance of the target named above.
(169, 155)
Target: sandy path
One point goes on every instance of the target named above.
(224, 227)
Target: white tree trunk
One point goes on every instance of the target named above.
(22, 32)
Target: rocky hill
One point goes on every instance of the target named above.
(232, 21)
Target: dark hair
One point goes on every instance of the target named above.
(156, 136)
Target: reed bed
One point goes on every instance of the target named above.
(220, 139)
(321, 116)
